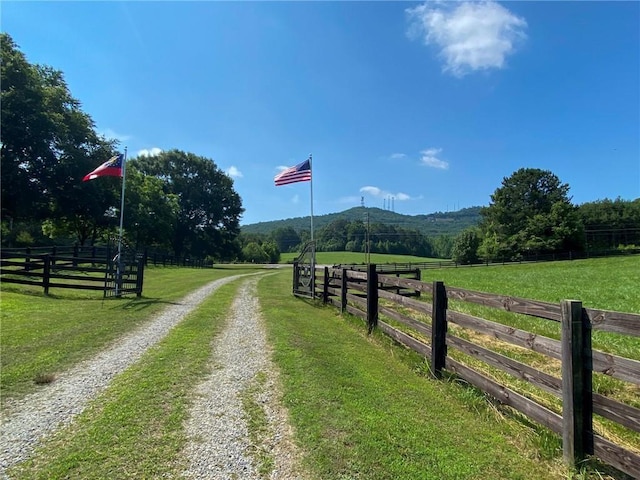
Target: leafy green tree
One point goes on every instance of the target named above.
(47, 140)
(48, 145)
(465, 247)
(150, 214)
(209, 208)
(272, 251)
(254, 253)
(286, 238)
(530, 213)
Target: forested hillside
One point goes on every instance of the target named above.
(434, 224)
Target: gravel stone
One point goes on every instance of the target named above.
(26, 421)
(218, 440)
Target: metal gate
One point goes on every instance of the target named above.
(124, 275)
(304, 271)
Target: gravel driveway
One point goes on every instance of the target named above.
(240, 352)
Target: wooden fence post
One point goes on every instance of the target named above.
(439, 329)
(343, 291)
(75, 254)
(577, 404)
(140, 276)
(325, 286)
(27, 259)
(372, 297)
(46, 274)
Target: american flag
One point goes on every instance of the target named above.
(299, 173)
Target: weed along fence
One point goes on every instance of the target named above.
(589, 397)
(91, 269)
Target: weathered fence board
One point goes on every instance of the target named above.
(518, 369)
(621, 458)
(515, 336)
(617, 322)
(505, 395)
(535, 308)
(406, 283)
(405, 339)
(619, 412)
(579, 407)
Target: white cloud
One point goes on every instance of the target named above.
(233, 172)
(430, 159)
(151, 152)
(379, 193)
(281, 168)
(471, 35)
(113, 135)
(397, 156)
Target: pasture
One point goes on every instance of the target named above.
(334, 258)
(361, 407)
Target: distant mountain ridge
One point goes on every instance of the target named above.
(433, 224)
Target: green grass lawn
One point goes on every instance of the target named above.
(610, 283)
(365, 409)
(334, 258)
(135, 428)
(45, 335)
(362, 407)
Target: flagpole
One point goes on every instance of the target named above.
(313, 244)
(119, 264)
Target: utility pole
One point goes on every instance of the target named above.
(367, 242)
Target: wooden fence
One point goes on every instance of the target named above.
(71, 270)
(369, 294)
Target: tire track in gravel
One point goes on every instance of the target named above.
(218, 445)
(26, 421)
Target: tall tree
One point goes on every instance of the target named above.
(286, 238)
(530, 213)
(48, 144)
(209, 209)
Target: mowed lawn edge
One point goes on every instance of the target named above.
(135, 429)
(43, 336)
(365, 408)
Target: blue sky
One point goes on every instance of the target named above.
(432, 103)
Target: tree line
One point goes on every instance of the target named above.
(175, 201)
(530, 214)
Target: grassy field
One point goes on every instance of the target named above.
(364, 409)
(601, 283)
(135, 428)
(361, 407)
(334, 258)
(44, 335)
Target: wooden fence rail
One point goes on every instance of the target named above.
(360, 293)
(72, 272)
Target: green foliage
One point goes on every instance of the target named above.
(361, 409)
(610, 223)
(254, 253)
(286, 238)
(434, 224)
(150, 212)
(209, 209)
(48, 145)
(465, 247)
(135, 428)
(529, 214)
